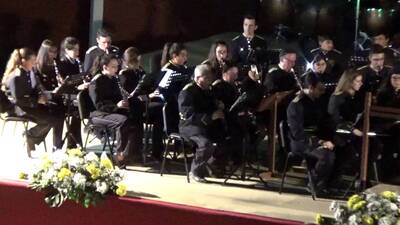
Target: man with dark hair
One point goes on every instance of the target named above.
(391, 55)
(103, 38)
(376, 71)
(248, 48)
(333, 57)
(317, 148)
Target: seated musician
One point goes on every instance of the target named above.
(318, 149)
(389, 96)
(318, 68)
(131, 72)
(25, 89)
(112, 110)
(216, 58)
(70, 65)
(198, 111)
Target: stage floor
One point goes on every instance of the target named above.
(238, 196)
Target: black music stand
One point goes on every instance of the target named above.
(66, 90)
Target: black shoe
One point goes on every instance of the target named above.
(196, 178)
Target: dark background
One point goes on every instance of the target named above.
(148, 24)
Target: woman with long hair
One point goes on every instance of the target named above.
(25, 90)
(217, 57)
(46, 71)
(131, 72)
(112, 110)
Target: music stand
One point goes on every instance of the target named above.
(67, 90)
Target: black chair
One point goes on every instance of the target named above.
(291, 157)
(85, 106)
(179, 142)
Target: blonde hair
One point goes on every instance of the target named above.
(131, 58)
(346, 81)
(15, 61)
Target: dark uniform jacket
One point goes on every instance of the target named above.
(172, 79)
(392, 56)
(216, 69)
(345, 109)
(196, 107)
(47, 76)
(335, 60)
(93, 52)
(225, 92)
(105, 94)
(371, 79)
(130, 78)
(21, 89)
(279, 80)
(246, 52)
(303, 113)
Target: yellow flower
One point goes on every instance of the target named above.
(359, 205)
(64, 172)
(23, 176)
(398, 222)
(75, 152)
(93, 170)
(106, 162)
(353, 200)
(390, 195)
(367, 220)
(319, 220)
(121, 190)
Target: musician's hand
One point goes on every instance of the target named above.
(123, 104)
(143, 98)
(43, 100)
(156, 93)
(253, 75)
(217, 114)
(83, 86)
(357, 132)
(328, 145)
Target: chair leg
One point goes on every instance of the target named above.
(376, 171)
(166, 152)
(284, 174)
(312, 187)
(4, 125)
(45, 145)
(87, 138)
(185, 160)
(15, 127)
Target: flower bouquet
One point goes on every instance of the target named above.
(366, 209)
(82, 177)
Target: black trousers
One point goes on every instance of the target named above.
(45, 119)
(155, 117)
(203, 156)
(322, 162)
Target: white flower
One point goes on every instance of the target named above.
(101, 187)
(393, 207)
(91, 156)
(353, 220)
(334, 205)
(79, 180)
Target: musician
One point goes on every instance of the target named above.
(304, 112)
(318, 69)
(332, 56)
(45, 65)
(281, 77)
(112, 110)
(249, 48)
(25, 90)
(216, 58)
(198, 111)
(391, 55)
(103, 38)
(132, 72)
(70, 65)
(376, 71)
(389, 96)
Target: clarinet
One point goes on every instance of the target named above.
(60, 80)
(297, 79)
(125, 94)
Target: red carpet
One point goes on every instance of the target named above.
(21, 206)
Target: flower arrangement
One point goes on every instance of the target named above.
(79, 176)
(366, 209)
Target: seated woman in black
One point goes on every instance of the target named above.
(389, 96)
(217, 57)
(28, 95)
(131, 72)
(112, 110)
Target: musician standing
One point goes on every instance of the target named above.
(21, 80)
(103, 38)
(69, 65)
(248, 48)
